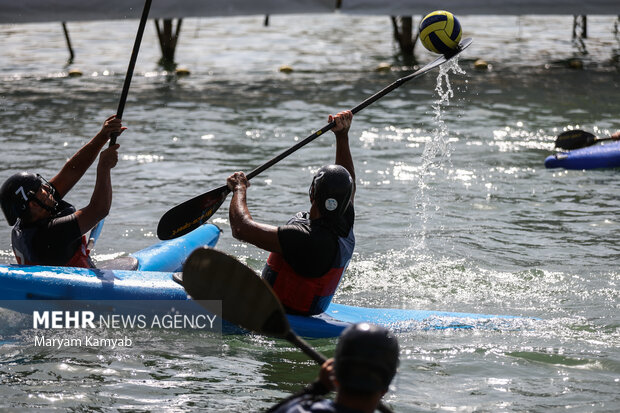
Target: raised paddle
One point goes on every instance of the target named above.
(132, 64)
(96, 231)
(247, 300)
(577, 138)
(189, 215)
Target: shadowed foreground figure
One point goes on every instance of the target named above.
(361, 371)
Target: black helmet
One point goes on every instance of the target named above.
(331, 188)
(16, 192)
(366, 358)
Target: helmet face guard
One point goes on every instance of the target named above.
(331, 190)
(18, 191)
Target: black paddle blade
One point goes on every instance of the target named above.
(575, 139)
(184, 218)
(247, 300)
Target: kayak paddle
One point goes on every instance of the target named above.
(577, 138)
(189, 215)
(96, 231)
(132, 64)
(247, 300)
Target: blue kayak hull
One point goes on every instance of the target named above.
(338, 316)
(606, 155)
(20, 286)
(155, 264)
(171, 254)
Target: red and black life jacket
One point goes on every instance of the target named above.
(81, 258)
(308, 295)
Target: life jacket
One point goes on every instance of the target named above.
(81, 258)
(23, 241)
(308, 295)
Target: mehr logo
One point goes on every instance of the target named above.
(87, 319)
(116, 323)
(63, 319)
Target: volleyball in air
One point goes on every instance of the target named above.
(440, 32)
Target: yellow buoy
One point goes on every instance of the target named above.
(286, 69)
(575, 63)
(481, 64)
(182, 71)
(75, 73)
(383, 67)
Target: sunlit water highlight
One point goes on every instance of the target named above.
(455, 209)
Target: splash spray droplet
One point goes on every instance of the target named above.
(436, 152)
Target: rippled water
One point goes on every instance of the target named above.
(455, 208)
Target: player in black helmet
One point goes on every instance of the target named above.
(47, 230)
(361, 371)
(311, 252)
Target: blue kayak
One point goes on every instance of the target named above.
(22, 286)
(604, 155)
(171, 254)
(19, 282)
(339, 316)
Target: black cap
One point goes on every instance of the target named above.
(366, 358)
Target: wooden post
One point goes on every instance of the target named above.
(580, 32)
(580, 23)
(71, 54)
(168, 42)
(404, 36)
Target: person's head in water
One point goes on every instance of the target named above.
(366, 360)
(331, 190)
(27, 196)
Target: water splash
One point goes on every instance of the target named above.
(436, 151)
